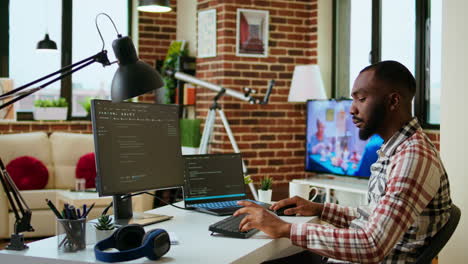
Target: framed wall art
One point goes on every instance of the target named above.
(252, 33)
(207, 33)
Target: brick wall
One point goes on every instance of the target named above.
(270, 137)
(46, 126)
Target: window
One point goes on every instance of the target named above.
(398, 32)
(95, 81)
(25, 61)
(433, 92)
(368, 31)
(360, 37)
(71, 25)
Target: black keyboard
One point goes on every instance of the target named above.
(230, 227)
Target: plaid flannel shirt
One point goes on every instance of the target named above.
(409, 200)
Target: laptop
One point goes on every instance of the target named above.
(214, 183)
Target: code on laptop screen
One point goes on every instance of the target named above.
(213, 176)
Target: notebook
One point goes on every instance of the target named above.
(214, 183)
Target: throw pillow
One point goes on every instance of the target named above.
(28, 173)
(86, 168)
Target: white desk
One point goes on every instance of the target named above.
(196, 245)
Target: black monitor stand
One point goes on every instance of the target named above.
(124, 215)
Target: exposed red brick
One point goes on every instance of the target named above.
(40, 127)
(4, 127)
(21, 127)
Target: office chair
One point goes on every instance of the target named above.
(441, 238)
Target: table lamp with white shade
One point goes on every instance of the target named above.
(306, 84)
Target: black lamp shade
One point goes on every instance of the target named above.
(154, 6)
(47, 43)
(133, 77)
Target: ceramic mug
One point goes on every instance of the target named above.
(302, 190)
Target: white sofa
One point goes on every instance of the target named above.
(60, 153)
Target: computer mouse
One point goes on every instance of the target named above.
(280, 212)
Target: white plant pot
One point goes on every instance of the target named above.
(50, 113)
(103, 234)
(264, 196)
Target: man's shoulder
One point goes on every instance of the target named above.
(419, 143)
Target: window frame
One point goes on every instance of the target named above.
(422, 54)
(65, 49)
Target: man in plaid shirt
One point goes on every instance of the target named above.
(409, 196)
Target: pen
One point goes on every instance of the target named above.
(67, 211)
(87, 212)
(72, 210)
(54, 209)
(84, 210)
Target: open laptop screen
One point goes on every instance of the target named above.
(213, 177)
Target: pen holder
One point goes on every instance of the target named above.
(71, 234)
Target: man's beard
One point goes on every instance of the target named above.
(374, 122)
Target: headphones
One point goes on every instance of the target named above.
(132, 243)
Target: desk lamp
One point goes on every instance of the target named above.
(132, 78)
(306, 84)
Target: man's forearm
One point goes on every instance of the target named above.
(338, 215)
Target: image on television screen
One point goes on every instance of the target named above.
(332, 140)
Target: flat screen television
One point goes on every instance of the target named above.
(332, 141)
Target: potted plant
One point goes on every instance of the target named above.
(264, 194)
(86, 104)
(104, 227)
(50, 109)
(171, 63)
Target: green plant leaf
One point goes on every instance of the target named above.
(247, 179)
(61, 102)
(104, 223)
(266, 183)
(86, 104)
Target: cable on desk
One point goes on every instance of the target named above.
(138, 193)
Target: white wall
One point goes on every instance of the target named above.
(324, 46)
(134, 23)
(187, 24)
(454, 125)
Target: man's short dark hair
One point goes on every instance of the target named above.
(395, 74)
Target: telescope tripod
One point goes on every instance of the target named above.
(208, 131)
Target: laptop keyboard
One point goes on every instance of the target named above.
(230, 227)
(223, 204)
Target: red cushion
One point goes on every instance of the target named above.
(28, 173)
(86, 168)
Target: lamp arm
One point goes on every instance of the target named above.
(17, 203)
(23, 94)
(19, 94)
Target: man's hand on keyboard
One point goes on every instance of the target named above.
(261, 219)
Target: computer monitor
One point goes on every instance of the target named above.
(332, 141)
(137, 149)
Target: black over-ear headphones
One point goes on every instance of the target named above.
(133, 243)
